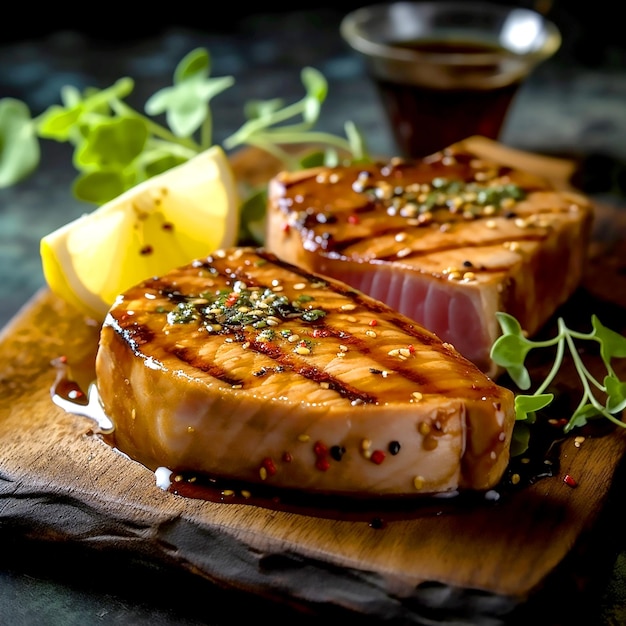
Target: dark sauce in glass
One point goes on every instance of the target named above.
(425, 118)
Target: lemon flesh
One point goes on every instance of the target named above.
(167, 221)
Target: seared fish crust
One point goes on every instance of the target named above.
(243, 366)
(448, 240)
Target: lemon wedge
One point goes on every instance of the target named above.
(164, 222)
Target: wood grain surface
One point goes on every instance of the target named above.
(60, 482)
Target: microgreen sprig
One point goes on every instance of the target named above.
(512, 347)
(116, 147)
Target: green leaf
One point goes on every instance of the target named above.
(509, 325)
(356, 139)
(316, 92)
(64, 123)
(70, 96)
(612, 344)
(520, 439)
(112, 144)
(526, 406)
(616, 394)
(19, 147)
(510, 351)
(58, 122)
(315, 84)
(315, 158)
(186, 105)
(581, 415)
(262, 109)
(99, 187)
(198, 61)
(161, 163)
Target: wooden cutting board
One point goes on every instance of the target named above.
(61, 482)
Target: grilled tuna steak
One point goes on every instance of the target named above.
(448, 240)
(245, 367)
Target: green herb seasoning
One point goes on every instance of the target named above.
(469, 199)
(260, 309)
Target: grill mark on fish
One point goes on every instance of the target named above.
(192, 358)
(302, 368)
(420, 254)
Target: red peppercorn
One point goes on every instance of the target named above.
(322, 464)
(268, 464)
(320, 449)
(568, 480)
(320, 332)
(373, 322)
(378, 456)
(353, 219)
(231, 299)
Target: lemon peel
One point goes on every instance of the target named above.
(164, 222)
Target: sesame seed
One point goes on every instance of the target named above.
(400, 237)
(302, 350)
(350, 318)
(262, 473)
(299, 286)
(491, 224)
(348, 307)
(403, 252)
(370, 333)
(303, 438)
(416, 395)
(293, 338)
(423, 428)
(418, 482)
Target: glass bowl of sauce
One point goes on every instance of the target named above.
(444, 70)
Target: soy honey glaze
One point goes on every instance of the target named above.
(540, 461)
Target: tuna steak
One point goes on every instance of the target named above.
(245, 367)
(448, 240)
